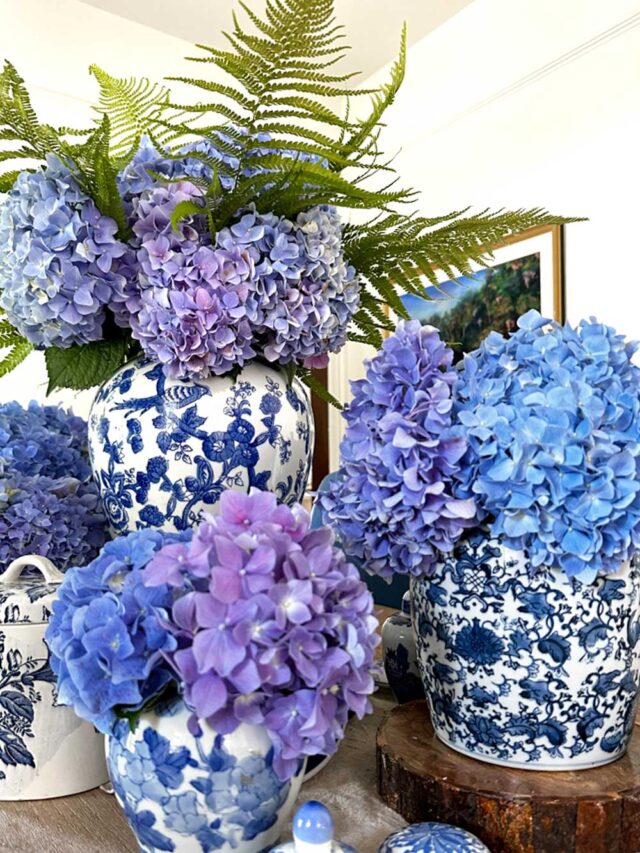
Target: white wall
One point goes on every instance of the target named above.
(517, 103)
(52, 43)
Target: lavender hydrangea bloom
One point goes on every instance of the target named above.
(59, 259)
(190, 303)
(274, 626)
(306, 294)
(552, 417)
(393, 506)
(107, 631)
(43, 440)
(61, 519)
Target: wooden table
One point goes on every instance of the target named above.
(94, 823)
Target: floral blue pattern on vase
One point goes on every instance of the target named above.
(198, 793)
(532, 670)
(162, 450)
(432, 837)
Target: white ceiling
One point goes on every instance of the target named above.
(373, 26)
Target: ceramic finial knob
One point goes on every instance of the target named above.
(313, 832)
(313, 828)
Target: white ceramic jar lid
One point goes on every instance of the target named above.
(28, 600)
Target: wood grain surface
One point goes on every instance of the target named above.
(512, 811)
(94, 823)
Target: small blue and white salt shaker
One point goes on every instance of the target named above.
(400, 656)
(313, 832)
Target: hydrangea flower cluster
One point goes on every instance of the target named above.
(265, 286)
(190, 303)
(59, 259)
(43, 440)
(278, 629)
(107, 631)
(307, 293)
(268, 286)
(552, 418)
(393, 505)
(61, 519)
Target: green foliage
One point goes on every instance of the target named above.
(134, 106)
(82, 367)
(317, 387)
(18, 348)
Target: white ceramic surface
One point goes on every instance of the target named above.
(45, 749)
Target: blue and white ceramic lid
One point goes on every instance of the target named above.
(28, 599)
(432, 837)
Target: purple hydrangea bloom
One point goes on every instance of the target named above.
(107, 631)
(392, 506)
(552, 417)
(273, 626)
(59, 259)
(61, 519)
(307, 294)
(43, 440)
(189, 305)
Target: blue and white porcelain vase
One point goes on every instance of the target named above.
(432, 837)
(538, 672)
(162, 450)
(197, 793)
(399, 654)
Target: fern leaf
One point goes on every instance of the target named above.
(19, 350)
(133, 106)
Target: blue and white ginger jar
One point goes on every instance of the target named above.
(431, 837)
(198, 793)
(163, 450)
(399, 654)
(534, 672)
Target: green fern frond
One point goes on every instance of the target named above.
(317, 387)
(19, 348)
(133, 106)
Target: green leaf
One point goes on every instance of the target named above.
(20, 349)
(134, 107)
(84, 366)
(184, 209)
(318, 388)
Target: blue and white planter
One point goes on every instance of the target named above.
(196, 794)
(535, 672)
(163, 450)
(432, 837)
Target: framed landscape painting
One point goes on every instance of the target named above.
(525, 272)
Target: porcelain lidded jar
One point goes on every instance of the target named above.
(45, 749)
(163, 450)
(198, 791)
(399, 654)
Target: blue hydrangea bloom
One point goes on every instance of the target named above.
(43, 440)
(59, 259)
(61, 519)
(107, 632)
(552, 418)
(392, 506)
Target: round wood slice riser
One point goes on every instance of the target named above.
(512, 811)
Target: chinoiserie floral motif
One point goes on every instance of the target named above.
(432, 837)
(20, 676)
(535, 670)
(196, 793)
(164, 449)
